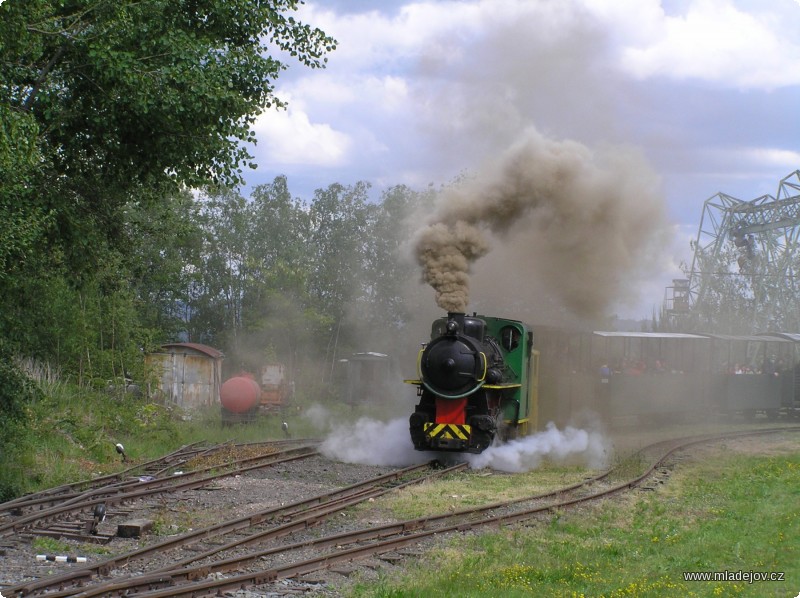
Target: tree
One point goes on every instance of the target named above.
(164, 263)
(338, 244)
(17, 391)
(216, 301)
(111, 104)
(278, 316)
(141, 90)
(117, 94)
(21, 222)
(388, 266)
(729, 303)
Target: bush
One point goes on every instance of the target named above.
(17, 391)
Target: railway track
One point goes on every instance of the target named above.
(231, 535)
(52, 496)
(245, 552)
(71, 514)
(162, 467)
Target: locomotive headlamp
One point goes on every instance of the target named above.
(451, 328)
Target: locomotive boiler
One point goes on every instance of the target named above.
(476, 382)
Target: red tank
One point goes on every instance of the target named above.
(239, 394)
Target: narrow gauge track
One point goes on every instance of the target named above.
(258, 527)
(193, 580)
(51, 496)
(140, 488)
(163, 466)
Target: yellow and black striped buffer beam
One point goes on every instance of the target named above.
(447, 431)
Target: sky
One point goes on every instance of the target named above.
(417, 93)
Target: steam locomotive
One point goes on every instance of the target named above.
(476, 381)
(479, 379)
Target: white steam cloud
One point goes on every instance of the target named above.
(318, 416)
(372, 442)
(526, 454)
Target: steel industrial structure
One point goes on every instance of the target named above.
(751, 248)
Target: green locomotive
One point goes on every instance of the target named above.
(477, 381)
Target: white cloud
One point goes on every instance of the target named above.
(289, 137)
(439, 85)
(736, 43)
(713, 41)
(438, 31)
(767, 156)
(322, 89)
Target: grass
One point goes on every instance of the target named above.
(44, 545)
(731, 513)
(727, 512)
(71, 434)
(476, 487)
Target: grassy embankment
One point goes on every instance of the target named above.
(69, 434)
(730, 512)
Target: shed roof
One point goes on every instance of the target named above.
(204, 349)
(646, 334)
(792, 336)
(748, 337)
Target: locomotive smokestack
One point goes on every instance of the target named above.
(455, 322)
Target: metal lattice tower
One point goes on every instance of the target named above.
(746, 249)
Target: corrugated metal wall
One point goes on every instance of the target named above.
(188, 379)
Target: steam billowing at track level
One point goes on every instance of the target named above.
(581, 223)
(586, 447)
(373, 442)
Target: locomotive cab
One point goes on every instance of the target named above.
(468, 390)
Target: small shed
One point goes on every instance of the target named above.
(189, 374)
(364, 377)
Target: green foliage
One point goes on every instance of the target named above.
(163, 261)
(66, 433)
(17, 393)
(70, 432)
(300, 282)
(107, 110)
(133, 90)
(22, 222)
(110, 112)
(92, 333)
(338, 230)
(387, 269)
(729, 303)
